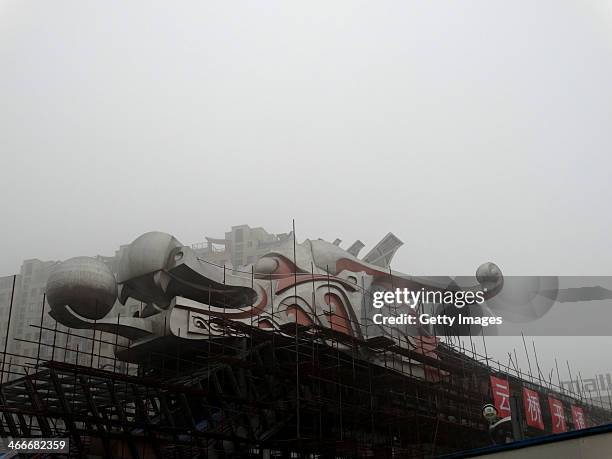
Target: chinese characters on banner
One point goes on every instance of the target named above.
(578, 418)
(557, 415)
(501, 396)
(533, 413)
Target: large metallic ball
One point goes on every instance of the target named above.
(148, 253)
(85, 284)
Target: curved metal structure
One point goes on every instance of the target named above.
(311, 284)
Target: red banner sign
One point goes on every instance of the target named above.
(557, 415)
(501, 396)
(578, 418)
(533, 412)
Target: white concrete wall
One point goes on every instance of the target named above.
(591, 447)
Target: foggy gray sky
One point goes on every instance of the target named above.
(474, 131)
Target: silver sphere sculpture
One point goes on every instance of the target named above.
(85, 284)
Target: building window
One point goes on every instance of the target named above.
(239, 235)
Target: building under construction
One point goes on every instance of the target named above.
(277, 360)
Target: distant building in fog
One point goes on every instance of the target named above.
(241, 246)
(27, 307)
(6, 290)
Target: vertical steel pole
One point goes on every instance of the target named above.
(8, 329)
(42, 316)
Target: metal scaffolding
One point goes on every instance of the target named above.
(302, 391)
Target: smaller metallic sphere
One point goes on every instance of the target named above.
(488, 274)
(85, 284)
